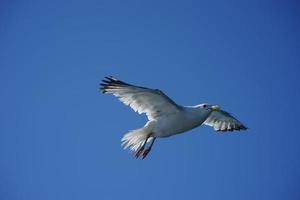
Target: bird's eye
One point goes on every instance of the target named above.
(204, 106)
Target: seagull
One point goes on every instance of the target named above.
(165, 117)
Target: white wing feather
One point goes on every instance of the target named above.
(223, 121)
(142, 100)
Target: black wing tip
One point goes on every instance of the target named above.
(102, 89)
(243, 127)
(110, 78)
(239, 128)
(111, 82)
(105, 83)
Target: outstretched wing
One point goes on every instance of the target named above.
(153, 102)
(223, 121)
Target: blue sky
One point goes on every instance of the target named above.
(60, 137)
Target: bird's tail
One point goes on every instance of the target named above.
(135, 138)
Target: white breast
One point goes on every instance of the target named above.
(180, 122)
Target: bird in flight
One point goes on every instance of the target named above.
(165, 117)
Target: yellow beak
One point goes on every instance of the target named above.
(215, 107)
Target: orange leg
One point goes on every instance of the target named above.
(148, 149)
(138, 153)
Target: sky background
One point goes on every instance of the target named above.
(60, 137)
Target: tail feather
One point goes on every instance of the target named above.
(135, 138)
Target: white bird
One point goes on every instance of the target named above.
(165, 117)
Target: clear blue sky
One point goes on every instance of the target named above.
(60, 137)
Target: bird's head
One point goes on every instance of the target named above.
(204, 110)
(209, 107)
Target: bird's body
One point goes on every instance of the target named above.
(166, 118)
(187, 118)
